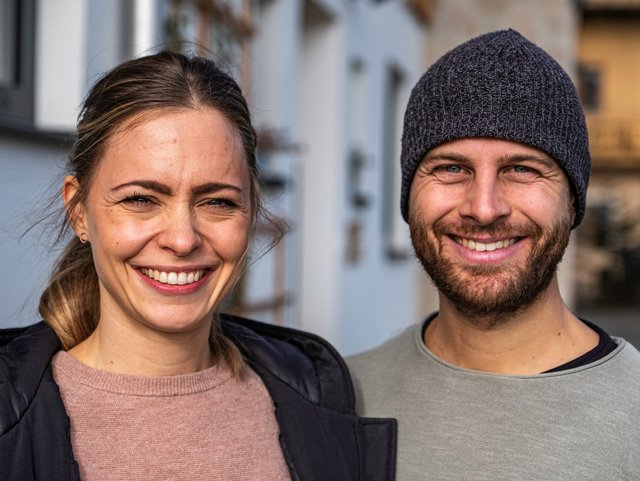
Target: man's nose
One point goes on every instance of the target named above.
(485, 201)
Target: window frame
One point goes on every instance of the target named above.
(17, 97)
(396, 241)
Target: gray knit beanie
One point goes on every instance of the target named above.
(498, 85)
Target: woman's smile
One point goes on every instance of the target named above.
(178, 281)
(173, 277)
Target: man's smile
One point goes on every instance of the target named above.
(485, 246)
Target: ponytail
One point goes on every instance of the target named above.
(70, 303)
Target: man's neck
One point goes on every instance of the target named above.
(536, 339)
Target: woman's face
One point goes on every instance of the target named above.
(168, 215)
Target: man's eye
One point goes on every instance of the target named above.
(522, 169)
(453, 169)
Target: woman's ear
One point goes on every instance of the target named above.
(73, 206)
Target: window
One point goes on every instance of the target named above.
(590, 84)
(16, 63)
(7, 41)
(223, 27)
(397, 244)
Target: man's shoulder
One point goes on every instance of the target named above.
(376, 373)
(386, 353)
(626, 359)
(368, 367)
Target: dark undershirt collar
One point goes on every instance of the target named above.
(605, 346)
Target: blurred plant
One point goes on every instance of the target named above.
(174, 25)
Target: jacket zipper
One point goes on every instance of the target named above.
(289, 460)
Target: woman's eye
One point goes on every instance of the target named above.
(137, 200)
(225, 203)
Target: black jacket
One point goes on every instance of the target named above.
(321, 437)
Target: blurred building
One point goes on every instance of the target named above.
(326, 80)
(609, 71)
(327, 83)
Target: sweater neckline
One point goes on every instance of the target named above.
(418, 333)
(64, 364)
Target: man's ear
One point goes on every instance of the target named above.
(73, 206)
(572, 206)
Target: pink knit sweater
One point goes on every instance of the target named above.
(201, 426)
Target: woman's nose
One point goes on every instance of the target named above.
(180, 234)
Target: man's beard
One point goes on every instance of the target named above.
(490, 295)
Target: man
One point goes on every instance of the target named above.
(503, 382)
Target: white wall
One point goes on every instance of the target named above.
(304, 86)
(321, 77)
(75, 41)
(59, 66)
(272, 100)
(28, 171)
(379, 292)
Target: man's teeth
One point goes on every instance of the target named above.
(482, 246)
(174, 278)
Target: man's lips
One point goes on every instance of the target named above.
(486, 246)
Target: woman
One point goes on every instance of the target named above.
(132, 374)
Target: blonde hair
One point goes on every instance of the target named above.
(70, 303)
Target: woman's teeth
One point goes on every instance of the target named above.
(173, 278)
(489, 246)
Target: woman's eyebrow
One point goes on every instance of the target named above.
(211, 187)
(161, 188)
(146, 184)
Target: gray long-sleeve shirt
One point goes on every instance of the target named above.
(458, 424)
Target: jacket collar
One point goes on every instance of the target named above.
(22, 365)
(302, 360)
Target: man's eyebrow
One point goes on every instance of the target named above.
(452, 156)
(539, 158)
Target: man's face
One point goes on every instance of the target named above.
(490, 220)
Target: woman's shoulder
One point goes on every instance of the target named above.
(25, 355)
(28, 346)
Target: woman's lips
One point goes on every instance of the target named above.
(174, 277)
